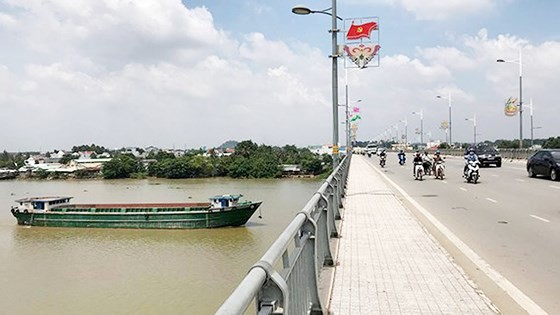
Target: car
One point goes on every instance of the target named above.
(545, 162)
(371, 149)
(487, 155)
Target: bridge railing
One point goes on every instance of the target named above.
(286, 279)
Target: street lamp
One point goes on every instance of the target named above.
(301, 10)
(348, 120)
(520, 63)
(405, 132)
(448, 98)
(421, 113)
(532, 128)
(474, 128)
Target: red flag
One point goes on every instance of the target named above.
(361, 30)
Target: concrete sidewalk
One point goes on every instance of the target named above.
(388, 263)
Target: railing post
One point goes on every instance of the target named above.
(274, 293)
(310, 227)
(330, 230)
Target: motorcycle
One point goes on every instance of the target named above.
(472, 175)
(382, 161)
(427, 167)
(418, 170)
(440, 170)
(402, 159)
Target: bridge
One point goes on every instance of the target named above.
(375, 241)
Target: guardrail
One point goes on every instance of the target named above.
(286, 279)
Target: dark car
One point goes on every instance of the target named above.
(544, 162)
(487, 155)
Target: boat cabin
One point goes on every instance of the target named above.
(41, 203)
(225, 201)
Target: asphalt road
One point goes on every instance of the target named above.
(510, 220)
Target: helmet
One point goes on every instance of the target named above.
(471, 151)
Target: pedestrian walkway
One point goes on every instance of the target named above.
(388, 263)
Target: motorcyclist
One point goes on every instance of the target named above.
(470, 157)
(382, 157)
(382, 154)
(426, 162)
(401, 156)
(417, 159)
(437, 158)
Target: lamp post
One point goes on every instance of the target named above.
(448, 98)
(405, 132)
(347, 120)
(532, 128)
(301, 10)
(421, 113)
(474, 128)
(520, 63)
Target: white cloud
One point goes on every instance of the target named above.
(434, 9)
(119, 73)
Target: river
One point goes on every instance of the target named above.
(124, 271)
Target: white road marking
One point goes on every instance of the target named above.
(445, 182)
(463, 189)
(552, 186)
(491, 200)
(520, 180)
(539, 218)
(494, 175)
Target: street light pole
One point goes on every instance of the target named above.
(405, 132)
(334, 56)
(449, 103)
(421, 113)
(334, 33)
(520, 63)
(532, 138)
(474, 128)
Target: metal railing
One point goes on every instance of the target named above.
(286, 279)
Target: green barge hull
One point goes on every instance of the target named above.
(147, 216)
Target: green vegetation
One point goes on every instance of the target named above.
(93, 147)
(552, 143)
(122, 166)
(12, 161)
(249, 161)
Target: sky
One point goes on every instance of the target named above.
(191, 74)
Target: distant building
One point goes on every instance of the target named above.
(291, 169)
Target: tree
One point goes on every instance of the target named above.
(66, 158)
(245, 148)
(161, 155)
(121, 166)
(552, 143)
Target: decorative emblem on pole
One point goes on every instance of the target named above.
(361, 54)
(511, 107)
(358, 31)
(362, 42)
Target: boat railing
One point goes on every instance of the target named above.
(286, 279)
